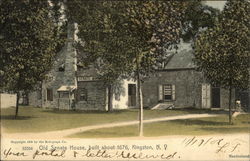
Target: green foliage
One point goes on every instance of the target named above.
(27, 43)
(222, 52)
(116, 32)
(155, 26)
(197, 16)
(59, 18)
(126, 37)
(102, 40)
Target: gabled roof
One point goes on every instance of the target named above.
(181, 60)
(90, 71)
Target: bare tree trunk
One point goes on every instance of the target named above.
(230, 110)
(110, 98)
(17, 104)
(140, 103)
(141, 109)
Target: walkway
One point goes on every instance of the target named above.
(66, 132)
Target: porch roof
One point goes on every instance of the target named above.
(66, 88)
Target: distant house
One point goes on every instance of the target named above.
(179, 85)
(7, 100)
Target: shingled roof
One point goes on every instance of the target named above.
(181, 60)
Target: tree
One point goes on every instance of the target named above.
(154, 26)
(128, 36)
(60, 20)
(197, 16)
(222, 52)
(27, 44)
(101, 39)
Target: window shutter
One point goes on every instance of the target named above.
(204, 95)
(208, 95)
(160, 97)
(206, 92)
(173, 92)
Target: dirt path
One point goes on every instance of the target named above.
(64, 133)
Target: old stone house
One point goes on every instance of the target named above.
(69, 87)
(179, 85)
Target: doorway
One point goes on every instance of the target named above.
(131, 95)
(215, 97)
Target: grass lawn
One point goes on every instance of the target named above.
(38, 120)
(201, 126)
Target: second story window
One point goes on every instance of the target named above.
(61, 68)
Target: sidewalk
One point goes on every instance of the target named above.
(64, 133)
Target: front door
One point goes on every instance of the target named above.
(131, 95)
(245, 100)
(215, 97)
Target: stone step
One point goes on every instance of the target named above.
(163, 106)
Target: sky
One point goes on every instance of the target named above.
(216, 4)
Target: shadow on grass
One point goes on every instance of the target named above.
(201, 111)
(226, 129)
(246, 122)
(199, 122)
(57, 111)
(12, 117)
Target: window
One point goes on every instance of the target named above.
(83, 94)
(61, 68)
(49, 94)
(166, 92)
(131, 89)
(131, 95)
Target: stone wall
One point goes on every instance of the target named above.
(187, 85)
(188, 89)
(64, 103)
(96, 96)
(35, 99)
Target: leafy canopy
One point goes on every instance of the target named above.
(155, 27)
(102, 38)
(27, 43)
(198, 16)
(222, 53)
(117, 32)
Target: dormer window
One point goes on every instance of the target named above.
(61, 68)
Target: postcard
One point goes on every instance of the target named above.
(124, 80)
